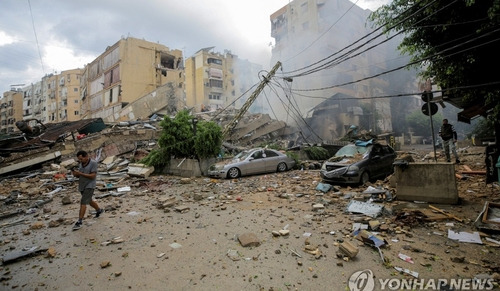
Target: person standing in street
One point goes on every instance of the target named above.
(449, 136)
(87, 174)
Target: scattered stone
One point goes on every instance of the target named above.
(318, 206)
(37, 225)
(66, 200)
(349, 249)
(249, 240)
(51, 252)
(105, 264)
(54, 223)
(233, 255)
(182, 208)
(284, 232)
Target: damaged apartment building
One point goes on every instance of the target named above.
(131, 81)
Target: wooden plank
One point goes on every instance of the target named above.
(466, 168)
(447, 214)
(432, 216)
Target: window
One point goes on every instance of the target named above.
(214, 96)
(76, 101)
(214, 61)
(270, 154)
(215, 83)
(75, 89)
(77, 113)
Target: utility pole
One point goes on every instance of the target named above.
(230, 126)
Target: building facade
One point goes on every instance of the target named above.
(317, 35)
(134, 78)
(215, 80)
(68, 103)
(126, 71)
(11, 110)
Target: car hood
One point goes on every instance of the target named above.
(345, 160)
(227, 162)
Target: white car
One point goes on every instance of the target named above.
(252, 162)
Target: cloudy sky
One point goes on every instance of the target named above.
(42, 37)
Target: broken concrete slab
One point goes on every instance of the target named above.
(435, 183)
(28, 163)
(140, 170)
(14, 256)
(366, 208)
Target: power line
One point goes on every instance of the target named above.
(357, 41)
(405, 94)
(440, 54)
(297, 112)
(319, 37)
(36, 37)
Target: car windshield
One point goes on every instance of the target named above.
(242, 155)
(352, 150)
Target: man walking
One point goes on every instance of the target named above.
(449, 136)
(87, 173)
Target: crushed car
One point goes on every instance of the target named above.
(359, 163)
(252, 162)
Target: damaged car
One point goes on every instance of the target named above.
(358, 163)
(252, 162)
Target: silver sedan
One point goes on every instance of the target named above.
(252, 162)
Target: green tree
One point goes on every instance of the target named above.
(181, 138)
(455, 43)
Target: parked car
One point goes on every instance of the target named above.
(359, 163)
(251, 162)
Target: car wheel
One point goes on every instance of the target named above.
(365, 178)
(233, 173)
(282, 167)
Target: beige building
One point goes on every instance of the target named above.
(55, 98)
(216, 80)
(11, 110)
(125, 72)
(312, 34)
(68, 103)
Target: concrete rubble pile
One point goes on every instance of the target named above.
(354, 218)
(305, 219)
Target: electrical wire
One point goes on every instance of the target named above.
(36, 37)
(359, 40)
(405, 94)
(320, 36)
(346, 56)
(440, 54)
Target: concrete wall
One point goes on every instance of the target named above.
(430, 182)
(189, 167)
(184, 168)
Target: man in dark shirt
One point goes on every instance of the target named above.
(449, 136)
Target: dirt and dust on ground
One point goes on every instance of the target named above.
(266, 232)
